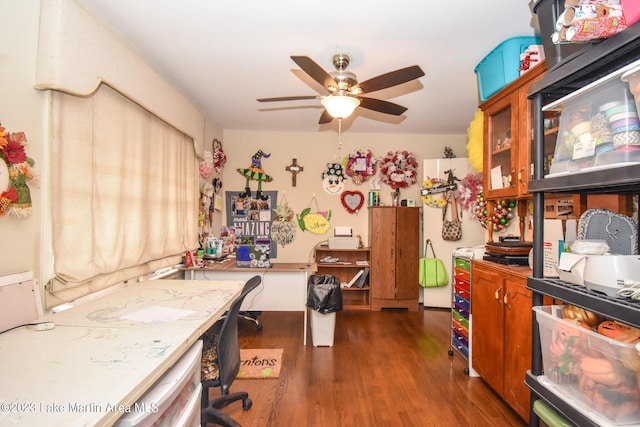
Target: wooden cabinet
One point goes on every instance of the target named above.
(394, 237)
(345, 265)
(508, 136)
(501, 333)
(508, 142)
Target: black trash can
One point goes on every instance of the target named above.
(324, 298)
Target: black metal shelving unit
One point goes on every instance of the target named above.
(596, 62)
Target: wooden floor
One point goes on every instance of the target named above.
(386, 368)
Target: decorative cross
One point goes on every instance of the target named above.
(295, 169)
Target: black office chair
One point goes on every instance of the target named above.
(227, 358)
(251, 316)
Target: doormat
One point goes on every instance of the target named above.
(260, 363)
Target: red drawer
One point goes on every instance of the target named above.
(463, 292)
(461, 283)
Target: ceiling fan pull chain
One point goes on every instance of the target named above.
(339, 133)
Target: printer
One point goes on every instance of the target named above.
(343, 239)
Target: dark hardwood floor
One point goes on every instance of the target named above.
(386, 368)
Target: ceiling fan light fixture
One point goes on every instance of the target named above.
(340, 106)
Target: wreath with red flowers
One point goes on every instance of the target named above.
(399, 169)
(15, 197)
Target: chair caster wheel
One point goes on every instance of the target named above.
(259, 328)
(450, 352)
(466, 371)
(246, 404)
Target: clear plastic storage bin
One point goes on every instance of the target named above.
(597, 373)
(599, 126)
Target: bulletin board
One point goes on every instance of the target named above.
(252, 217)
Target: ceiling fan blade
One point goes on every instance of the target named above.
(381, 106)
(325, 118)
(315, 71)
(288, 98)
(390, 79)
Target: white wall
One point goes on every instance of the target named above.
(22, 109)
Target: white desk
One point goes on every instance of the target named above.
(94, 363)
(283, 288)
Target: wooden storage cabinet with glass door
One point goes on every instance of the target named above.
(508, 136)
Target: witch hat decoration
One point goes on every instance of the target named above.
(255, 173)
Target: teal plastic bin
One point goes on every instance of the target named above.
(502, 65)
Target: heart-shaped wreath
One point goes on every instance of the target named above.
(352, 201)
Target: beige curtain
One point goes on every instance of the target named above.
(124, 193)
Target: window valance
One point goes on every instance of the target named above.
(76, 54)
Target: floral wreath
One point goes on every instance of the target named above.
(399, 169)
(16, 199)
(360, 166)
(470, 188)
(430, 189)
(219, 157)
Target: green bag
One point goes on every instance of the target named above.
(432, 271)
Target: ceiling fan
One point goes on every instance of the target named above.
(345, 94)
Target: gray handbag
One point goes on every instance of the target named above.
(618, 230)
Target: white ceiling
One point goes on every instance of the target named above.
(224, 54)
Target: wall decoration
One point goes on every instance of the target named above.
(475, 146)
(206, 165)
(333, 179)
(295, 169)
(360, 166)
(502, 213)
(315, 222)
(283, 230)
(448, 153)
(15, 171)
(434, 191)
(206, 195)
(252, 217)
(219, 160)
(219, 157)
(352, 201)
(255, 173)
(469, 188)
(399, 169)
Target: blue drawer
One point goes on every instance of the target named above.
(461, 347)
(461, 302)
